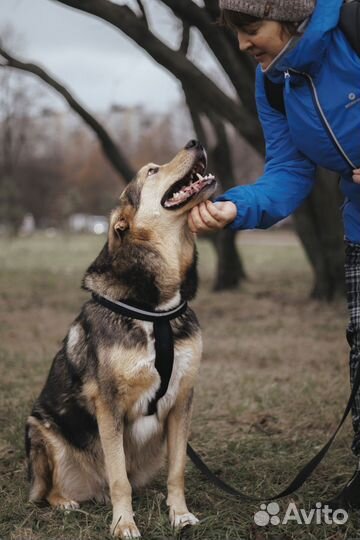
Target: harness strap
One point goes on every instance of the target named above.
(136, 313)
(163, 335)
(164, 359)
(299, 479)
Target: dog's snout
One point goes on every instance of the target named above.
(193, 144)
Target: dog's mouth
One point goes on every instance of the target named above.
(188, 187)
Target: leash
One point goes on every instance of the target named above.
(299, 479)
(163, 335)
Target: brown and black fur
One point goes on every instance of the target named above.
(88, 436)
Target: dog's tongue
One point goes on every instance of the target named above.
(187, 191)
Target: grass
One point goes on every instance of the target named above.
(272, 387)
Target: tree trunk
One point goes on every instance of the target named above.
(230, 269)
(318, 224)
(11, 208)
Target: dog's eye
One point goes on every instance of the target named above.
(152, 170)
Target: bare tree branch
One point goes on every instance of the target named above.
(110, 149)
(142, 9)
(185, 41)
(213, 8)
(223, 46)
(221, 152)
(174, 61)
(195, 117)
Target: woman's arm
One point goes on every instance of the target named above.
(287, 180)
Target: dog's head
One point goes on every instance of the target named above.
(150, 253)
(163, 194)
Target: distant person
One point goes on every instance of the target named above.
(299, 44)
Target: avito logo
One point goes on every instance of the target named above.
(269, 515)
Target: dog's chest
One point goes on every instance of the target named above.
(142, 426)
(143, 377)
(146, 363)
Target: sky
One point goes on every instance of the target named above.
(93, 59)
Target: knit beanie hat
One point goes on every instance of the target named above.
(276, 10)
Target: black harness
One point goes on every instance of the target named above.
(163, 336)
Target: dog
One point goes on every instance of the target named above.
(90, 435)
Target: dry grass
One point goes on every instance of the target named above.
(272, 387)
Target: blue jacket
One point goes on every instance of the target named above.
(321, 126)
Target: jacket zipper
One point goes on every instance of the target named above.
(321, 114)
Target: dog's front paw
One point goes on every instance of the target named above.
(125, 529)
(179, 521)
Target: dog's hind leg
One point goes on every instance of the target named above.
(58, 501)
(41, 467)
(178, 424)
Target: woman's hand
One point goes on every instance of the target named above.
(356, 176)
(208, 216)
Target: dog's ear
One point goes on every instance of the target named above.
(119, 226)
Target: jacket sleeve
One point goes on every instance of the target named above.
(288, 175)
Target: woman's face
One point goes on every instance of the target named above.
(263, 40)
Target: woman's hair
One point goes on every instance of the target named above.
(235, 20)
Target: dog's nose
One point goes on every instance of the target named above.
(193, 144)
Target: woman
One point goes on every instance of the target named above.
(298, 43)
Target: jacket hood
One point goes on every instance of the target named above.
(309, 50)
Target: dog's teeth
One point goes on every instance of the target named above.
(177, 195)
(196, 183)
